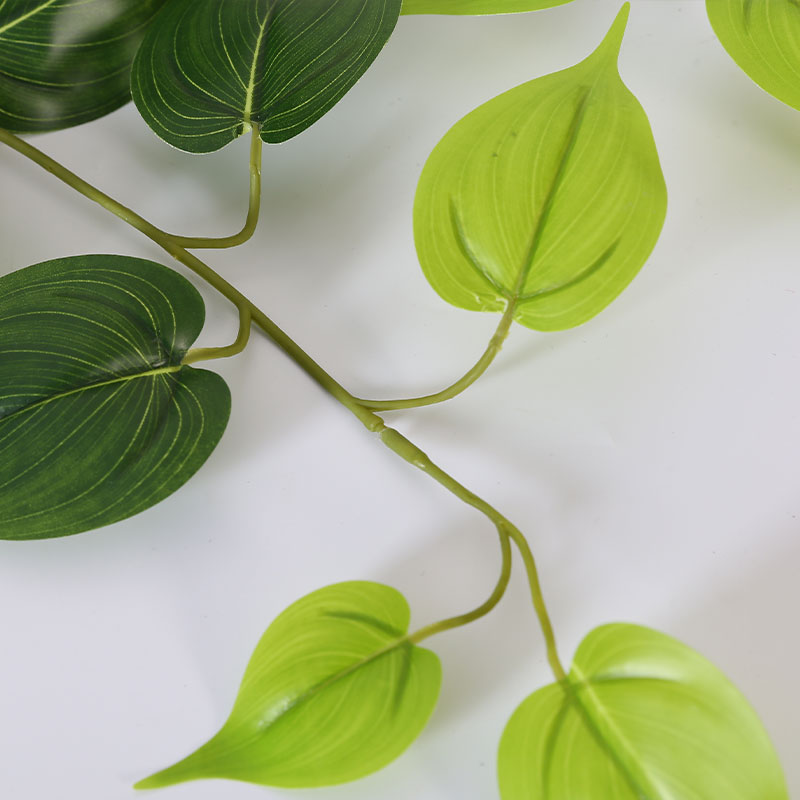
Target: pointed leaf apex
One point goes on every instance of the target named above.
(610, 46)
(184, 770)
(334, 690)
(159, 780)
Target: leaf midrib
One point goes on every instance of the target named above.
(341, 675)
(555, 185)
(619, 749)
(319, 687)
(111, 381)
(515, 296)
(251, 85)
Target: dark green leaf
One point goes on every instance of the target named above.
(208, 70)
(646, 718)
(98, 420)
(64, 62)
(334, 691)
(547, 199)
(476, 6)
(763, 38)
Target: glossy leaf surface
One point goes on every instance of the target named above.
(476, 6)
(656, 720)
(97, 419)
(208, 70)
(332, 692)
(763, 38)
(64, 62)
(549, 197)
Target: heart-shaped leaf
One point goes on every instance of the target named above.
(763, 38)
(645, 718)
(333, 691)
(98, 419)
(548, 198)
(476, 6)
(208, 70)
(63, 63)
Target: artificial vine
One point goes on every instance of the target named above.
(541, 205)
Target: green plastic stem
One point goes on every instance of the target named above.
(410, 452)
(466, 380)
(392, 438)
(242, 338)
(253, 210)
(482, 610)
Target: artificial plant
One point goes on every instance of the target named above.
(541, 205)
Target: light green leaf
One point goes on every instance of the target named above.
(64, 62)
(476, 6)
(334, 691)
(98, 420)
(763, 38)
(548, 198)
(647, 718)
(208, 70)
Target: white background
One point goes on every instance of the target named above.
(651, 455)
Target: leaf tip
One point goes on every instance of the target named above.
(177, 773)
(158, 780)
(611, 44)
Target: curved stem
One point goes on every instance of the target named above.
(393, 439)
(208, 353)
(253, 209)
(410, 452)
(483, 609)
(539, 605)
(466, 380)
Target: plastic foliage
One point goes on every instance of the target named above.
(542, 204)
